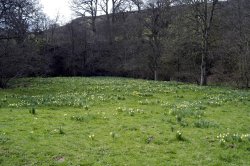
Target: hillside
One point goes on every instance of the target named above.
(118, 121)
(202, 42)
(162, 43)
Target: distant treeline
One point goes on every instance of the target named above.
(198, 41)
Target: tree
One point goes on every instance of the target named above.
(202, 16)
(18, 22)
(156, 23)
(117, 6)
(138, 4)
(86, 8)
(104, 5)
(238, 22)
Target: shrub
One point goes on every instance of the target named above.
(179, 136)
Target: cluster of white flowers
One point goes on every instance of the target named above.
(178, 132)
(179, 135)
(224, 135)
(92, 136)
(228, 137)
(72, 99)
(243, 136)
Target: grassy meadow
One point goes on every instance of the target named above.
(120, 121)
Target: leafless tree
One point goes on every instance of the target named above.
(86, 8)
(157, 22)
(117, 6)
(105, 7)
(202, 15)
(238, 19)
(18, 22)
(138, 4)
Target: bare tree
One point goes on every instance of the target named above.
(18, 22)
(117, 6)
(202, 16)
(238, 19)
(104, 5)
(138, 4)
(86, 8)
(243, 30)
(157, 22)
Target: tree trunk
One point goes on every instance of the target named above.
(110, 38)
(93, 24)
(203, 80)
(3, 83)
(155, 75)
(246, 72)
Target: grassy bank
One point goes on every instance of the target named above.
(118, 121)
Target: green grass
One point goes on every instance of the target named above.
(118, 121)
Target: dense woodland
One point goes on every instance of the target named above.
(198, 41)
